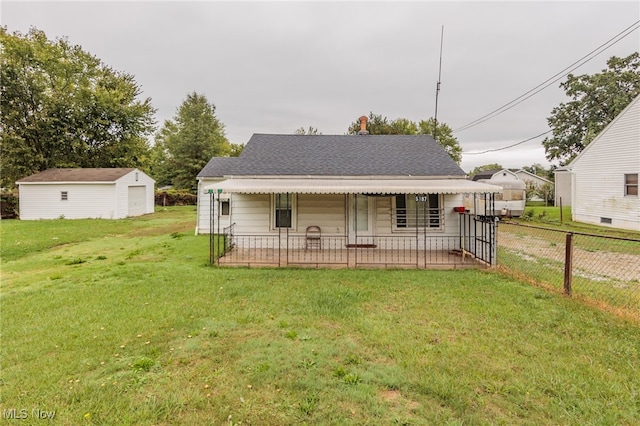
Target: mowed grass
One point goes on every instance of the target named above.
(550, 217)
(132, 326)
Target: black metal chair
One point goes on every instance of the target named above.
(313, 237)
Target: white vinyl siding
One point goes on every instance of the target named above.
(43, 201)
(251, 213)
(326, 211)
(204, 200)
(599, 173)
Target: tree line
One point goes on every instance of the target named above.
(63, 107)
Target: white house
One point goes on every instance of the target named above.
(361, 191)
(533, 181)
(513, 198)
(605, 174)
(103, 193)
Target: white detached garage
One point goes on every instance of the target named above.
(102, 193)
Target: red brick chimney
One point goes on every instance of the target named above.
(363, 125)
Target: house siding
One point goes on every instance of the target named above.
(537, 181)
(598, 174)
(326, 211)
(42, 201)
(252, 214)
(203, 216)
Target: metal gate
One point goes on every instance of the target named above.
(478, 229)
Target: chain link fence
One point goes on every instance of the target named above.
(601, 269)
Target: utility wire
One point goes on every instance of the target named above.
(510, 146)
(588, 57)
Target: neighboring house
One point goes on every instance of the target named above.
(513, 198)
(104, 193)
(374, 192)
(562, 186)
(605, 174)
(533, 181)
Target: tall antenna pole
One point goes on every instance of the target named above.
(435, 116)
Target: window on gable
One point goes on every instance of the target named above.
(283, 210)
(631, 184)
(64, 195)
(423, 211)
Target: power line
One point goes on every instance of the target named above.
(435, 116)
(588, 57)
(510, 146)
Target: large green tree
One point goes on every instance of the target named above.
(485, 167)
(62, 107)
(184, 145)
(442, 133)
(595, 101)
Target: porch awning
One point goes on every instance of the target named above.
(351, 186)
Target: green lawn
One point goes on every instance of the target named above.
(126, 323)
(549, 216)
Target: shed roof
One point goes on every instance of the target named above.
(337, 155)
(77, 175)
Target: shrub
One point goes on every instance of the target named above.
(9, 204)
(528, 214)
(174, 197)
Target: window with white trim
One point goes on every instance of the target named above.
(224, 207)
(421, 210)
(631, 184)
(283, 210)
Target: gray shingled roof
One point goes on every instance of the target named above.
(78, 175)
(485, 174)
(336, 155)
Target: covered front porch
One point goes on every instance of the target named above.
(357, 222)
(336, 252)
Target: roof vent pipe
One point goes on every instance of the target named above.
(363, 125)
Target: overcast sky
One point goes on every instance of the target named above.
(272, 67)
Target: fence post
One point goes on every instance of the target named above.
(568, 264)
(211, 235)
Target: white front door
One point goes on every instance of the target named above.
(361, 208)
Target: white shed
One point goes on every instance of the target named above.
(562, 186)
(605, 174)
(101, 193)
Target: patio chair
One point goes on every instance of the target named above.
(313, 237)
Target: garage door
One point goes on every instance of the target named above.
(137, 198)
